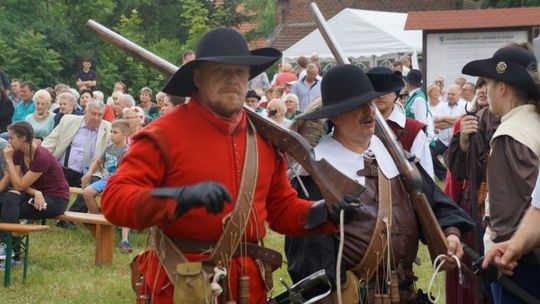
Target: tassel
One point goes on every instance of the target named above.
(386, 299)
(394, 288)
(377, 299)
(243, 292)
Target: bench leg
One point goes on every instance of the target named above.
(7, 261)
(25, 242)
(104, 235)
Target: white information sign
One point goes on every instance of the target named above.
(447, 53)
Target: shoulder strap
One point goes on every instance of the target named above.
(167, 252)
(377, 245)
(237, 221)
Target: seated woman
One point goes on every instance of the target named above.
(135, 118)
(41, 120)
(67, 105)
(276, 111)
(39, 188)
(291, 102)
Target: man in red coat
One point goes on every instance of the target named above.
(183, 171)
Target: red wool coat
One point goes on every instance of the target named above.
(191, 145)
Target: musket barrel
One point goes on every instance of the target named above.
(332, 183)
(132, 48)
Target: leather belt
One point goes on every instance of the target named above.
(253, 250)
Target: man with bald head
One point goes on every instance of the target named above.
(444, 116)
(124, 101)
(308, 87)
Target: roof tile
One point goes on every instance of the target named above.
(472, 19)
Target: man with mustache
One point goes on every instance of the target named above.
(348, 101)
(188, 170)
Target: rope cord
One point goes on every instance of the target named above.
(437, 264)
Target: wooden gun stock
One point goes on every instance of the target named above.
(433, 234)
(332, 183)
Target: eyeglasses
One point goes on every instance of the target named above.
(289, 101)
(132, 117)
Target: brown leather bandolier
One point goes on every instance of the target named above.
(378, 243)
(169, 251)
(386, 204)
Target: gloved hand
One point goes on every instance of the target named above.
(208, 194)
(319, 213)
(349, 205)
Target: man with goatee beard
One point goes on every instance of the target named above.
(348, 101)
(192, 171)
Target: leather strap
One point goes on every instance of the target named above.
(253, 250)
(226, 247)
(234, 230)
(378, 243)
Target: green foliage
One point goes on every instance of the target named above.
(196, 20)
(44, 41)
(266, 17)
(32, 58)
(509, 3)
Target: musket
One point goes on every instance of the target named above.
(433, 234)
(332, 183)
(473, 199)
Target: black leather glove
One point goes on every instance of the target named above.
(208, 194)
(349, 205)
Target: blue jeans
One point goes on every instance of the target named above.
(526, 276)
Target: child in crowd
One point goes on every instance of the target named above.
(110, 159)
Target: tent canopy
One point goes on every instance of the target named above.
(360, 33)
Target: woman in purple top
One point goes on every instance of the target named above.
(39, 188)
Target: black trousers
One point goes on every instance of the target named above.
(14, 206)
(438, 148)
(74, 180)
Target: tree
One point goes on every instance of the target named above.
(31, 58)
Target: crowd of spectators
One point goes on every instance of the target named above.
(61, 137)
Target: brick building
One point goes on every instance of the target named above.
(294, 18)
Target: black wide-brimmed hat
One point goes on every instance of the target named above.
(385, 80)
(221, 45)
(414, 77)
(343, 88)
(510, 65)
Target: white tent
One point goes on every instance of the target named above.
(361, 33)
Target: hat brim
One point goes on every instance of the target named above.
(415, 83)
(181, 83)
(514, 74)
(386, 83)
(343, 106)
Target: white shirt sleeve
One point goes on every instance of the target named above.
(536, 194)
(420, 149)
(419, 108)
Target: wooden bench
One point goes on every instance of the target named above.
(23, 231)
(102, 231)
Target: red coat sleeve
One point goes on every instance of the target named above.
(126, 200)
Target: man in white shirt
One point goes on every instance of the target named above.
(444, 117)
(348, 99)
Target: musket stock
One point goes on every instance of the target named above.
(433, 234)
(332, 183)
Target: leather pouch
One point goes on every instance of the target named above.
(191, 284)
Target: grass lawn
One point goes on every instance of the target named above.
(61, 270)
